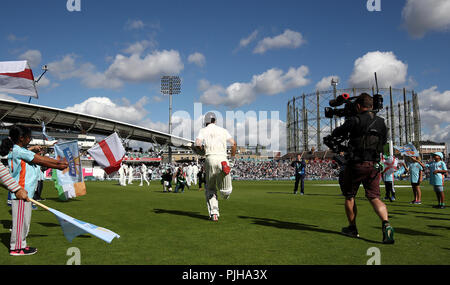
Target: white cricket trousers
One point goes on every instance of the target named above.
(122, 180)
(216, 180)
(144, 178)
(21, 219)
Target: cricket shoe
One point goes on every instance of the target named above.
(23, 251)
(225, 168)
(215, 218)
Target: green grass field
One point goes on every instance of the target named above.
(262, 223)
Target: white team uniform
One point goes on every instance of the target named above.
(189, 175)
(130, 174)
(144, 175)
(194, 173)
(122, 175)
(214, 139)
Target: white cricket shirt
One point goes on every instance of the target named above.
(214, 139)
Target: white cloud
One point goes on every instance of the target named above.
(134, 25)
(149, 68)
(390, 71)
(422, 16)
(139, 47)
(133, 68)
(288, 39)
(325, 83)
(432, 99)
(434, 110)
(64, 68)
(271, 82)
(43, 82)
(157, 98)
(106, 108)
(68, 67)
(33, 57)
(246, 41)
(197, 58)
(97, 80)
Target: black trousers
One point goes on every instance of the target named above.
(37, 194)
(341, 179)
(301, 179)
(390, 192)
(201, 182)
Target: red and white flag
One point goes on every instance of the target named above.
(16, 77)
(108, 153)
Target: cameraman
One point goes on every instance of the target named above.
(367, 133)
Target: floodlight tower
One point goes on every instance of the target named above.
(334, 83)
(170, 85)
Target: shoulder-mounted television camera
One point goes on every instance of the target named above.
(349, 103)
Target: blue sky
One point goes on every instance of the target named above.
(325, 37)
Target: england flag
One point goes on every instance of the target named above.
(108, 153)
(16, 77)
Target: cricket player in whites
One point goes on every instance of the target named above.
(144, 175)
(212, 142)
(130, 174)
(122, 175)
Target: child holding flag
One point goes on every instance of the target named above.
(437, 171)
(22, 163)
(390, 166)
(415, 170)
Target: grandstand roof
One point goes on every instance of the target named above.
(20, 112)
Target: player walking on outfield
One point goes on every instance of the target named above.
(300, 172)
(194, 173)
(130, 174)
(212, 140)
(144, 175)
(122, 175)
(189, 171)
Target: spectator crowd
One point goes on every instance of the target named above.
(269, 169)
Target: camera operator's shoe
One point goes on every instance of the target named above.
(388, 234)
(350, 231)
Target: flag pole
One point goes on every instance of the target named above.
(39, 204)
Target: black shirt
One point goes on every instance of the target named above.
(355, 128)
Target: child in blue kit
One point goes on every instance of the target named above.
(437, 171)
